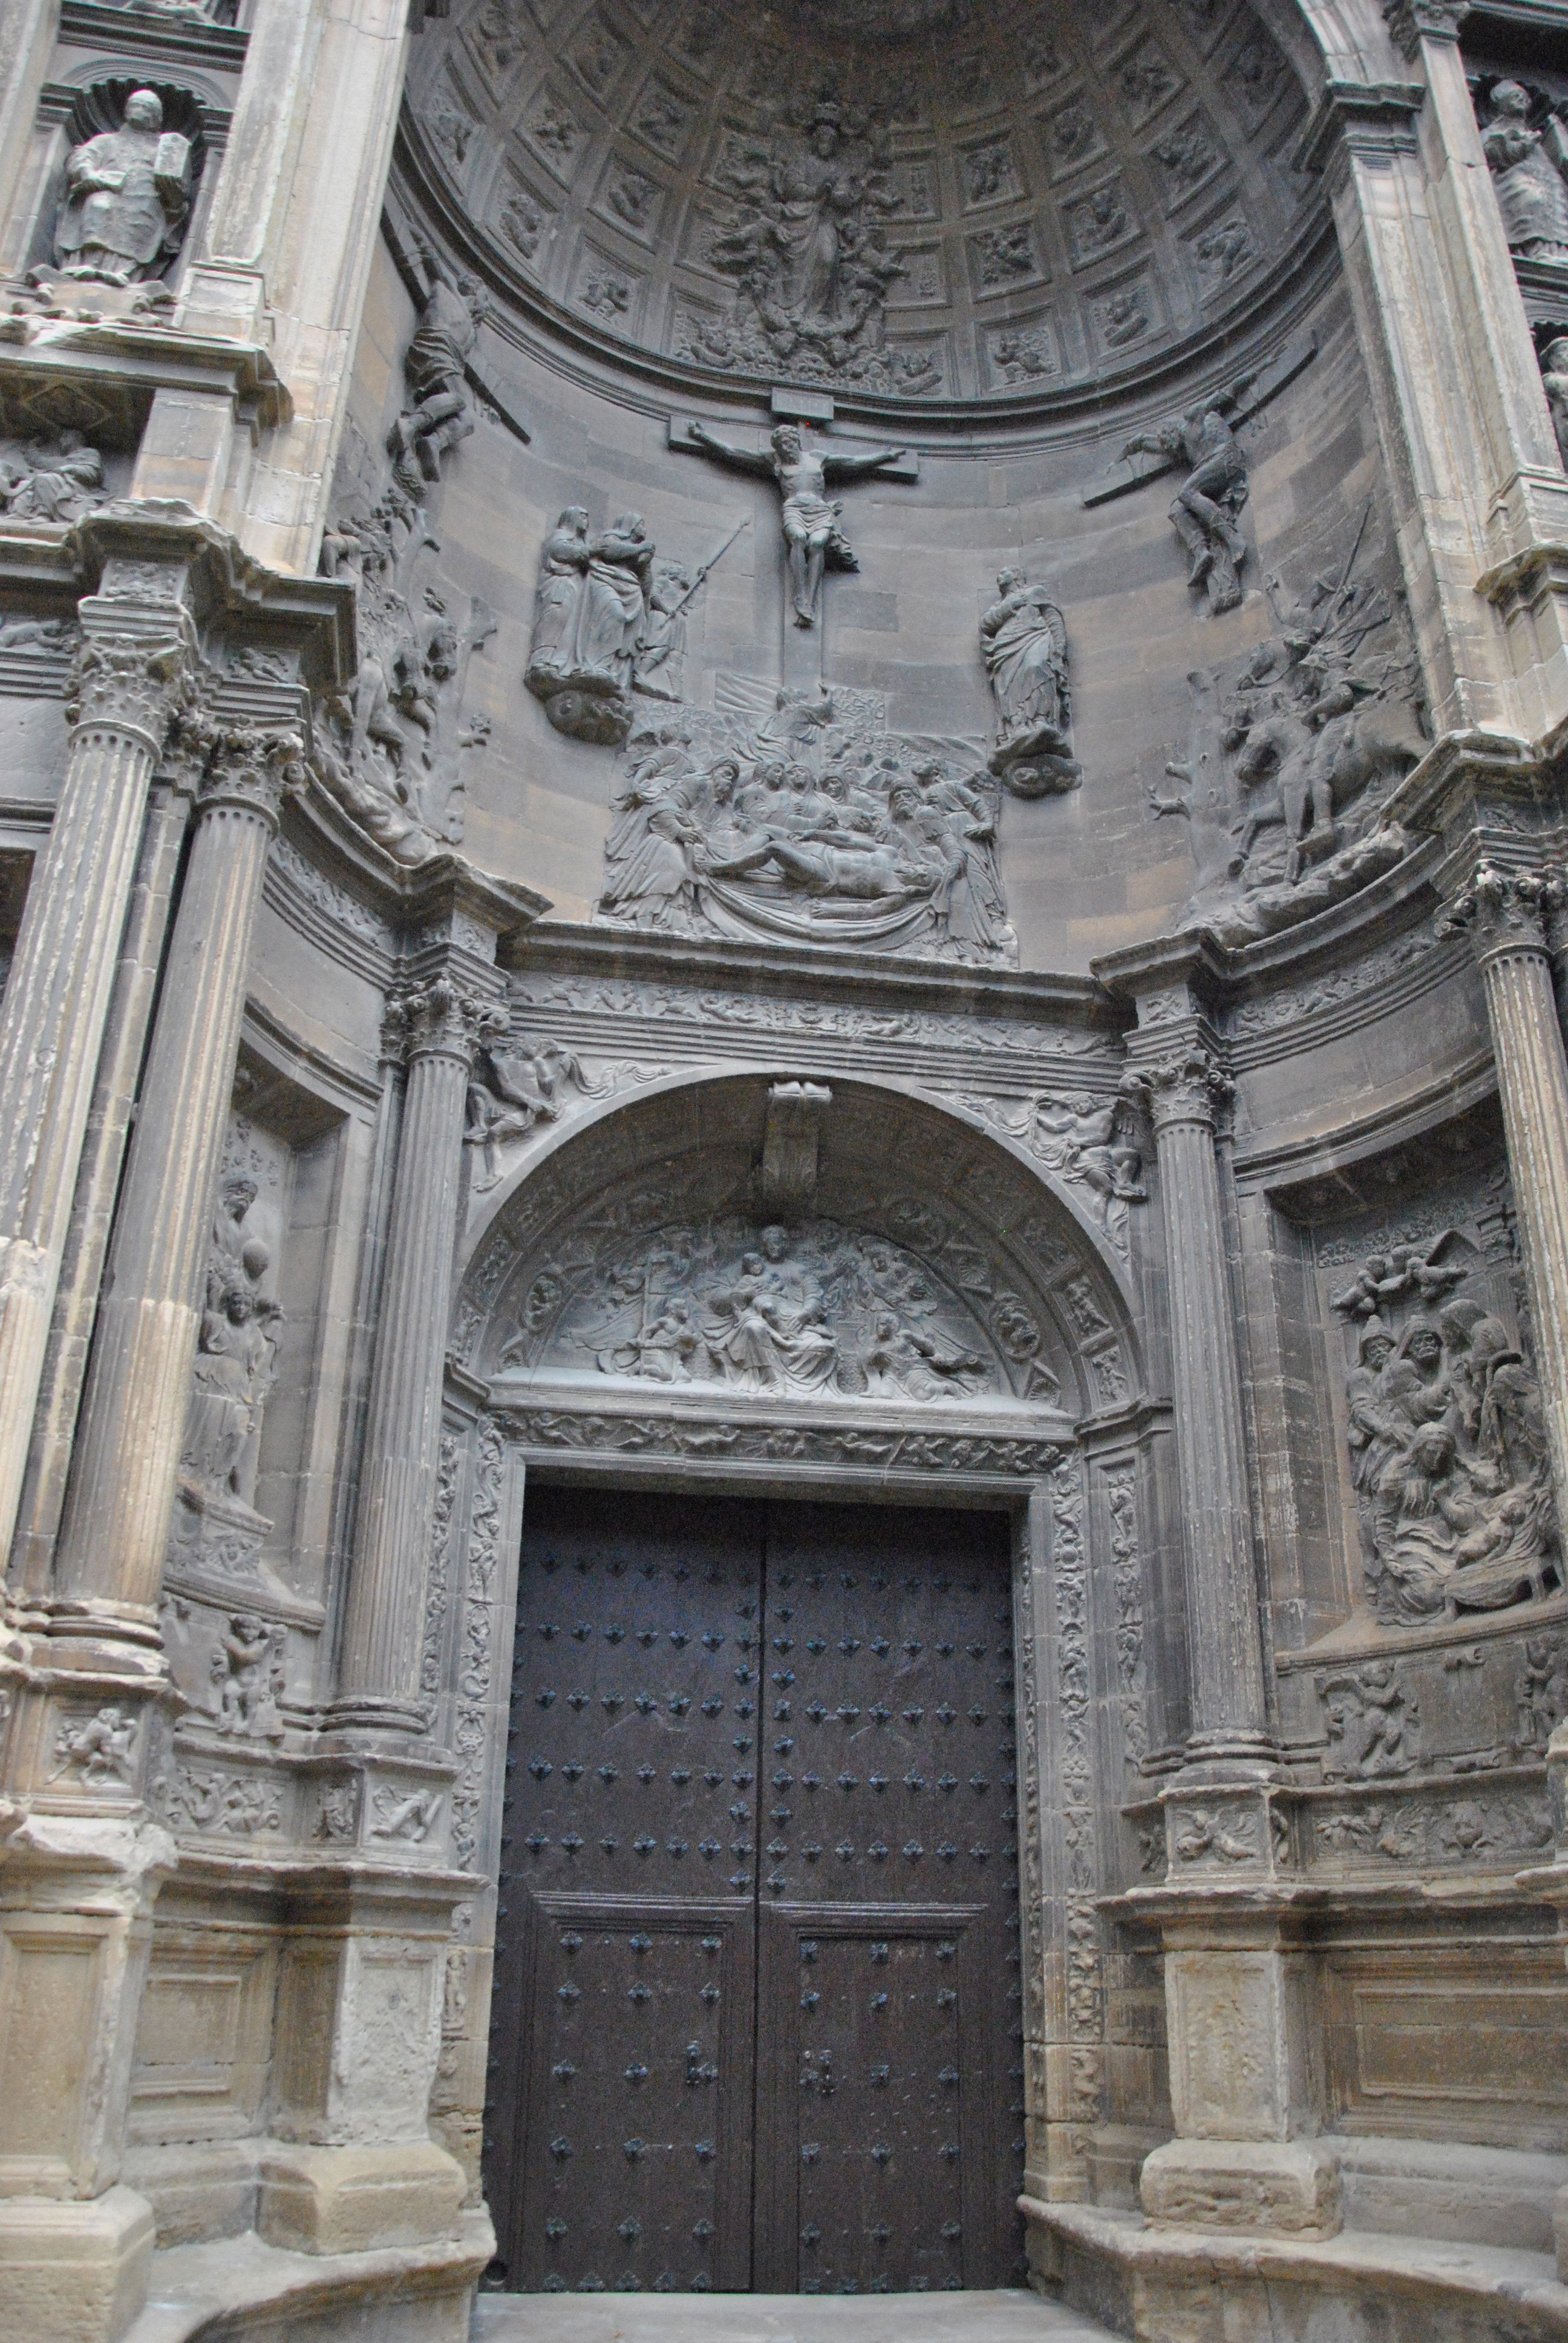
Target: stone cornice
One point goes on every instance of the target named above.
(125, 360)
(1411, 22)
(1371, 120)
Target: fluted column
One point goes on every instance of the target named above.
(1229, 1716)
(379, 1671)
(130, 673)
(134, 1411)
(1505, 915)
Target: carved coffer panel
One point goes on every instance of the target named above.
(206, 2035)
(1463, 2042)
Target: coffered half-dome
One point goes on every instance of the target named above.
(930, 202)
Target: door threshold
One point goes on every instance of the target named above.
(998, 2315)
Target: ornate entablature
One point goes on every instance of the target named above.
(999, 201)
(690, 1286)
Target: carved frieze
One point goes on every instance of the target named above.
(870, 1447)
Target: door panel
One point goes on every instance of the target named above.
(801, 2070)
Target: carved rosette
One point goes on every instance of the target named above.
(248, 769)
(121, 684)
(1188, 1087)
(1507, 910)
(437, 1020)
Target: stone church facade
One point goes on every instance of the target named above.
(783, 1160)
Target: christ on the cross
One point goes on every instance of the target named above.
(802, 469)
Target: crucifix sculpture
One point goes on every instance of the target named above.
(801, 468)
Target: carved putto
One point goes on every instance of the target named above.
(514, 1089)
(1448, 1453)
(1023, 642)
(247, 1669)
(127, 194)
(590, 620)
(807, 824)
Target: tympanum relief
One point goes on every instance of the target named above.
(808, 824)
(1448, 1454)
(791, 1312)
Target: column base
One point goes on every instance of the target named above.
(73, 2272)
(1288, 2187)
(355, 2200)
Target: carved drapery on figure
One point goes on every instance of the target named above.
(235, 1358)
(812, 826)
(1206, 515)
(805, 246)
(128, 197)
(590, 620)
(1448, 1448)
(1023, 642)
(1527, 165)
(50, 479)
(818, 1309)
(438, 414)
(512, 1090)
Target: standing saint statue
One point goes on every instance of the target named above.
(128, 192)
(1023, 642)
(1527, 176)
(802, 470)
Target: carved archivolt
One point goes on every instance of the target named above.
(642, 1258)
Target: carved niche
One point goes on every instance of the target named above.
(129, 185)
(798, 818)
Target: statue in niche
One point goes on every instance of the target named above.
(805, 246)
(1305, 737)
(127, 196)
(512, 1090)
(794, 1313)
(237, 1350)
(1207, 511)
(55, 479)
(803, 827)
(1449, 1461)
(1023, 641)
(802, 468)
(247, 1669)
(434, 366)
(589, 618)
(1527, 169)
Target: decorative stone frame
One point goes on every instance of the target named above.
(1089, 1585)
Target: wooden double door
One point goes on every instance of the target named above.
(757, 2011)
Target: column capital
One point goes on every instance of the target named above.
(1504, 910)
(436, 1018)
(1411, 22)
(1188, 1085)
(132, 679)
(249, 768)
